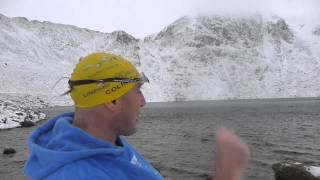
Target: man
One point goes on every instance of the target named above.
(88, 143)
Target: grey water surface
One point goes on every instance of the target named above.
(179, 138)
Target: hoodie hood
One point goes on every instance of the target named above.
(58, 143)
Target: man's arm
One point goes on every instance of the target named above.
(231, 157)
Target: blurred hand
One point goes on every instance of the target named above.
(232, 156)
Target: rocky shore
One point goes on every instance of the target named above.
(296, 171)
(20, 110)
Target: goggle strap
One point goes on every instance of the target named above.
(71, 83)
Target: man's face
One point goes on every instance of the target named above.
(130, 105)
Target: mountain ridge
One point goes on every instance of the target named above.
(194, 58)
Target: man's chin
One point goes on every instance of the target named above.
(129, 133)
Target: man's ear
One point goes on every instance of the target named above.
(112, 106)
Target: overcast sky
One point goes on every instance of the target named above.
(144, 17)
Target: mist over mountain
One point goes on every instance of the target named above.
(194, 58)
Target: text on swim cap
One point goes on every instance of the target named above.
(115, 88)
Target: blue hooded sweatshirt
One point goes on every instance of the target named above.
(60, 150)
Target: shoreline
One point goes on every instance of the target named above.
(223, 101)
(237, 104)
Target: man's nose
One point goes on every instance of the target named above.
(143, 101)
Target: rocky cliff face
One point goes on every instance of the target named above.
(234, 57)
(317, 31)
(194, 58)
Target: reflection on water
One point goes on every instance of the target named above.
(178, 138)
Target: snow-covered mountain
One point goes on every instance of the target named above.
(194, 58)
(236, 57)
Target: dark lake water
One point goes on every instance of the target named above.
(179, 138)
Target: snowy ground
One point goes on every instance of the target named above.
(16, 108)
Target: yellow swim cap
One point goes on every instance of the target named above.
(101, 78)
